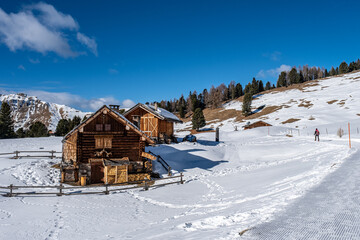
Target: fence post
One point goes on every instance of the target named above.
(349, 135)
(146, 187)
(106, 190)
(60, 190)
(217, 135)
(11, 191)
(17, 154)
(181, 178)
(169, 171)
(52, 154)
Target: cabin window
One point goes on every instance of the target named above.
(103, 142)
(107, 127)
(99, 127)
(136, 121)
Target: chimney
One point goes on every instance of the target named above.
(156, 106)
(115, 107)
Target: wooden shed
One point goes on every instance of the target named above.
(156, 122)
(106, 148)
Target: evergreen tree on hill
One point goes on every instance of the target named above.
(268, 86)
(38, 129)
(261, 86)
(62, 128)
(20, 133)
(332, 71)
(198, 119)
(74, 122)
(281, 82)
(343, 68)
(246, 107)
(6, 122)
(239, 90)
(293, 76)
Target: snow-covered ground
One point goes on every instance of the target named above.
(265, 183)
(245, 180)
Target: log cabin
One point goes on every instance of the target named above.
(156, 122)
(106, 148)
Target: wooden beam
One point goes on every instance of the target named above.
(148, 155)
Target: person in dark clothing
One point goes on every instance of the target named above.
(317, 134)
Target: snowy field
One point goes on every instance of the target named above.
(246, 181)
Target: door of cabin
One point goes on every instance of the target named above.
(97, 171)
(122, 174)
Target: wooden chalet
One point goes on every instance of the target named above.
(156, 122)
(106, 148)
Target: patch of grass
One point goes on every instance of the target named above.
(332, 101)
(290, 120)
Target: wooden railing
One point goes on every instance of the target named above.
(77, 190)
(163, 163)
(18, 154)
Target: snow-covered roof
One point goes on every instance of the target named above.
(159, 112)
(134, 127)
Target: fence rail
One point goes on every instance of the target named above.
(17, 154)
(77, 190)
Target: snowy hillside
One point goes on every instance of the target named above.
(28, 109)
(314, 103)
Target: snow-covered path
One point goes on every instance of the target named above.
(330, 210)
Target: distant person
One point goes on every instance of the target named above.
(317, 134)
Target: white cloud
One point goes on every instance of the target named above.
(53, 18)
(21, 67)
(273, 72)
(113, 71)
(34, 61)
(275, 56)
(77, 101)
(41, 28)
(127, 103)
(88, 42)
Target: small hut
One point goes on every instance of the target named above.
(156, 122)
(106, 148)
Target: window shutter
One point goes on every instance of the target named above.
(99, 142)
(107, 142)
(99, 127)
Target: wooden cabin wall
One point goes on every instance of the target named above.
(149, 124)
(70, 148)
(166, 127)
(125, 143)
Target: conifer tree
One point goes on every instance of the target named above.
(343, 68)
(246, 107)
(38, 129)
(261, 86)
(6, 122)
(268, 86)
(20, 133)
(198, 119)
(293, 76)
(332, 71)
(239, 90)
(63, 127)
(281, 82)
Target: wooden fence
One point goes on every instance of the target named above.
(20, 154)
(78, 190)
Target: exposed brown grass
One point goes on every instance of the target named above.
(311, 118)
(305, 104)
(290, 120)
(341, 103)
(332, 101)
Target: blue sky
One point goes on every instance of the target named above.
(87, 53)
